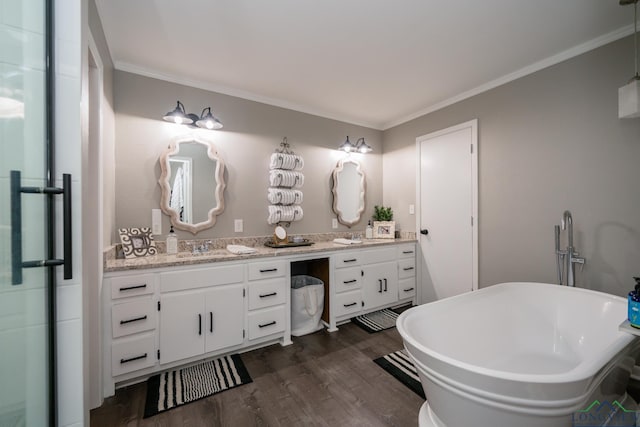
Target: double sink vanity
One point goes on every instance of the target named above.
(168, 310)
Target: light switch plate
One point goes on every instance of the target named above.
(412, 209)
(156, 221)
(238, 225)
(334, 223)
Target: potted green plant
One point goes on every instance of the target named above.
(383, 225)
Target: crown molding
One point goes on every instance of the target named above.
(530, 69)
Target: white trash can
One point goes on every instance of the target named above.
(307, 303)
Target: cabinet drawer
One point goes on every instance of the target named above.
(129, 286)
(348, 279)
(266, 322)
(406, 268)
(379, 255)
(267, 269)
(267, 293)
(131, 355)
(407, 288)
(133, 317)
(348, 303)
(192, 279)
(406, 251)
(347, 259)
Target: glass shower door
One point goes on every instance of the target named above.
(25, 316)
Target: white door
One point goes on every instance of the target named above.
(448, 211)
(224, 317)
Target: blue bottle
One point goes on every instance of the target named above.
(634, 305)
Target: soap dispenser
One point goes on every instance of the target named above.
(634, 305)
(369, 231)
(172, 242)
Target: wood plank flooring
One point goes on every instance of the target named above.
(323, 379)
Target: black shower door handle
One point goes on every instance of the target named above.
(17, 264)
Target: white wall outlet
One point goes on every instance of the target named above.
(412, 209)
(334, 223)
(156, 221)
(238, 226)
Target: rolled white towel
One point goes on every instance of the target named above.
(299, 163)
(283, 196)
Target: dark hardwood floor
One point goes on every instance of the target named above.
(323, 379)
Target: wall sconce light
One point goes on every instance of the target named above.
(360, 146)
(181, 117)
(629, 95)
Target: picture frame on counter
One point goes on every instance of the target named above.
(137, 242)
(384, 229)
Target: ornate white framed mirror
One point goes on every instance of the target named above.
(192, 183)
(348, 191)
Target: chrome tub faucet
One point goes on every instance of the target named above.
(567, 258)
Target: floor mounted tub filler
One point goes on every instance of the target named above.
(522, 354)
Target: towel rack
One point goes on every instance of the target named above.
(284, 164)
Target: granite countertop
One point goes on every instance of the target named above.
(112, 264)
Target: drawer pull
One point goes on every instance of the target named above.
(408, 268)
(408, 289)
(131, 359)
(199, 324)
(385, 285)
(130, 288)
(135, 319)
(267, 324)
(350, 305)
(350, 260)
(407, 252)
(272, 294)
(380, 286)
(346, 282)
(211, 321)
(268, 270)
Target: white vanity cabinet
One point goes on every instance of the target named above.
(159, 318)
(201, 311)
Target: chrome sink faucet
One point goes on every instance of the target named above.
(567, 258)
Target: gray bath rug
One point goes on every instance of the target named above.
(400, 365)
(376, 321)
(171, 389)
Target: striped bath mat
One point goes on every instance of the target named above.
(400, 365)
(171, 389)
(376, 321)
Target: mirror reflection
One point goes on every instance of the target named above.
(348, 191)
(192, 184)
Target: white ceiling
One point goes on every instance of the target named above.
(375, 63)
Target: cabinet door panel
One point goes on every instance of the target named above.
(224, 317)
(380, 284)
(182, 328)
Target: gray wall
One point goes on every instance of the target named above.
(547, 142)
(252, 131)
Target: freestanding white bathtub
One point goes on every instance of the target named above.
(519, 354)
